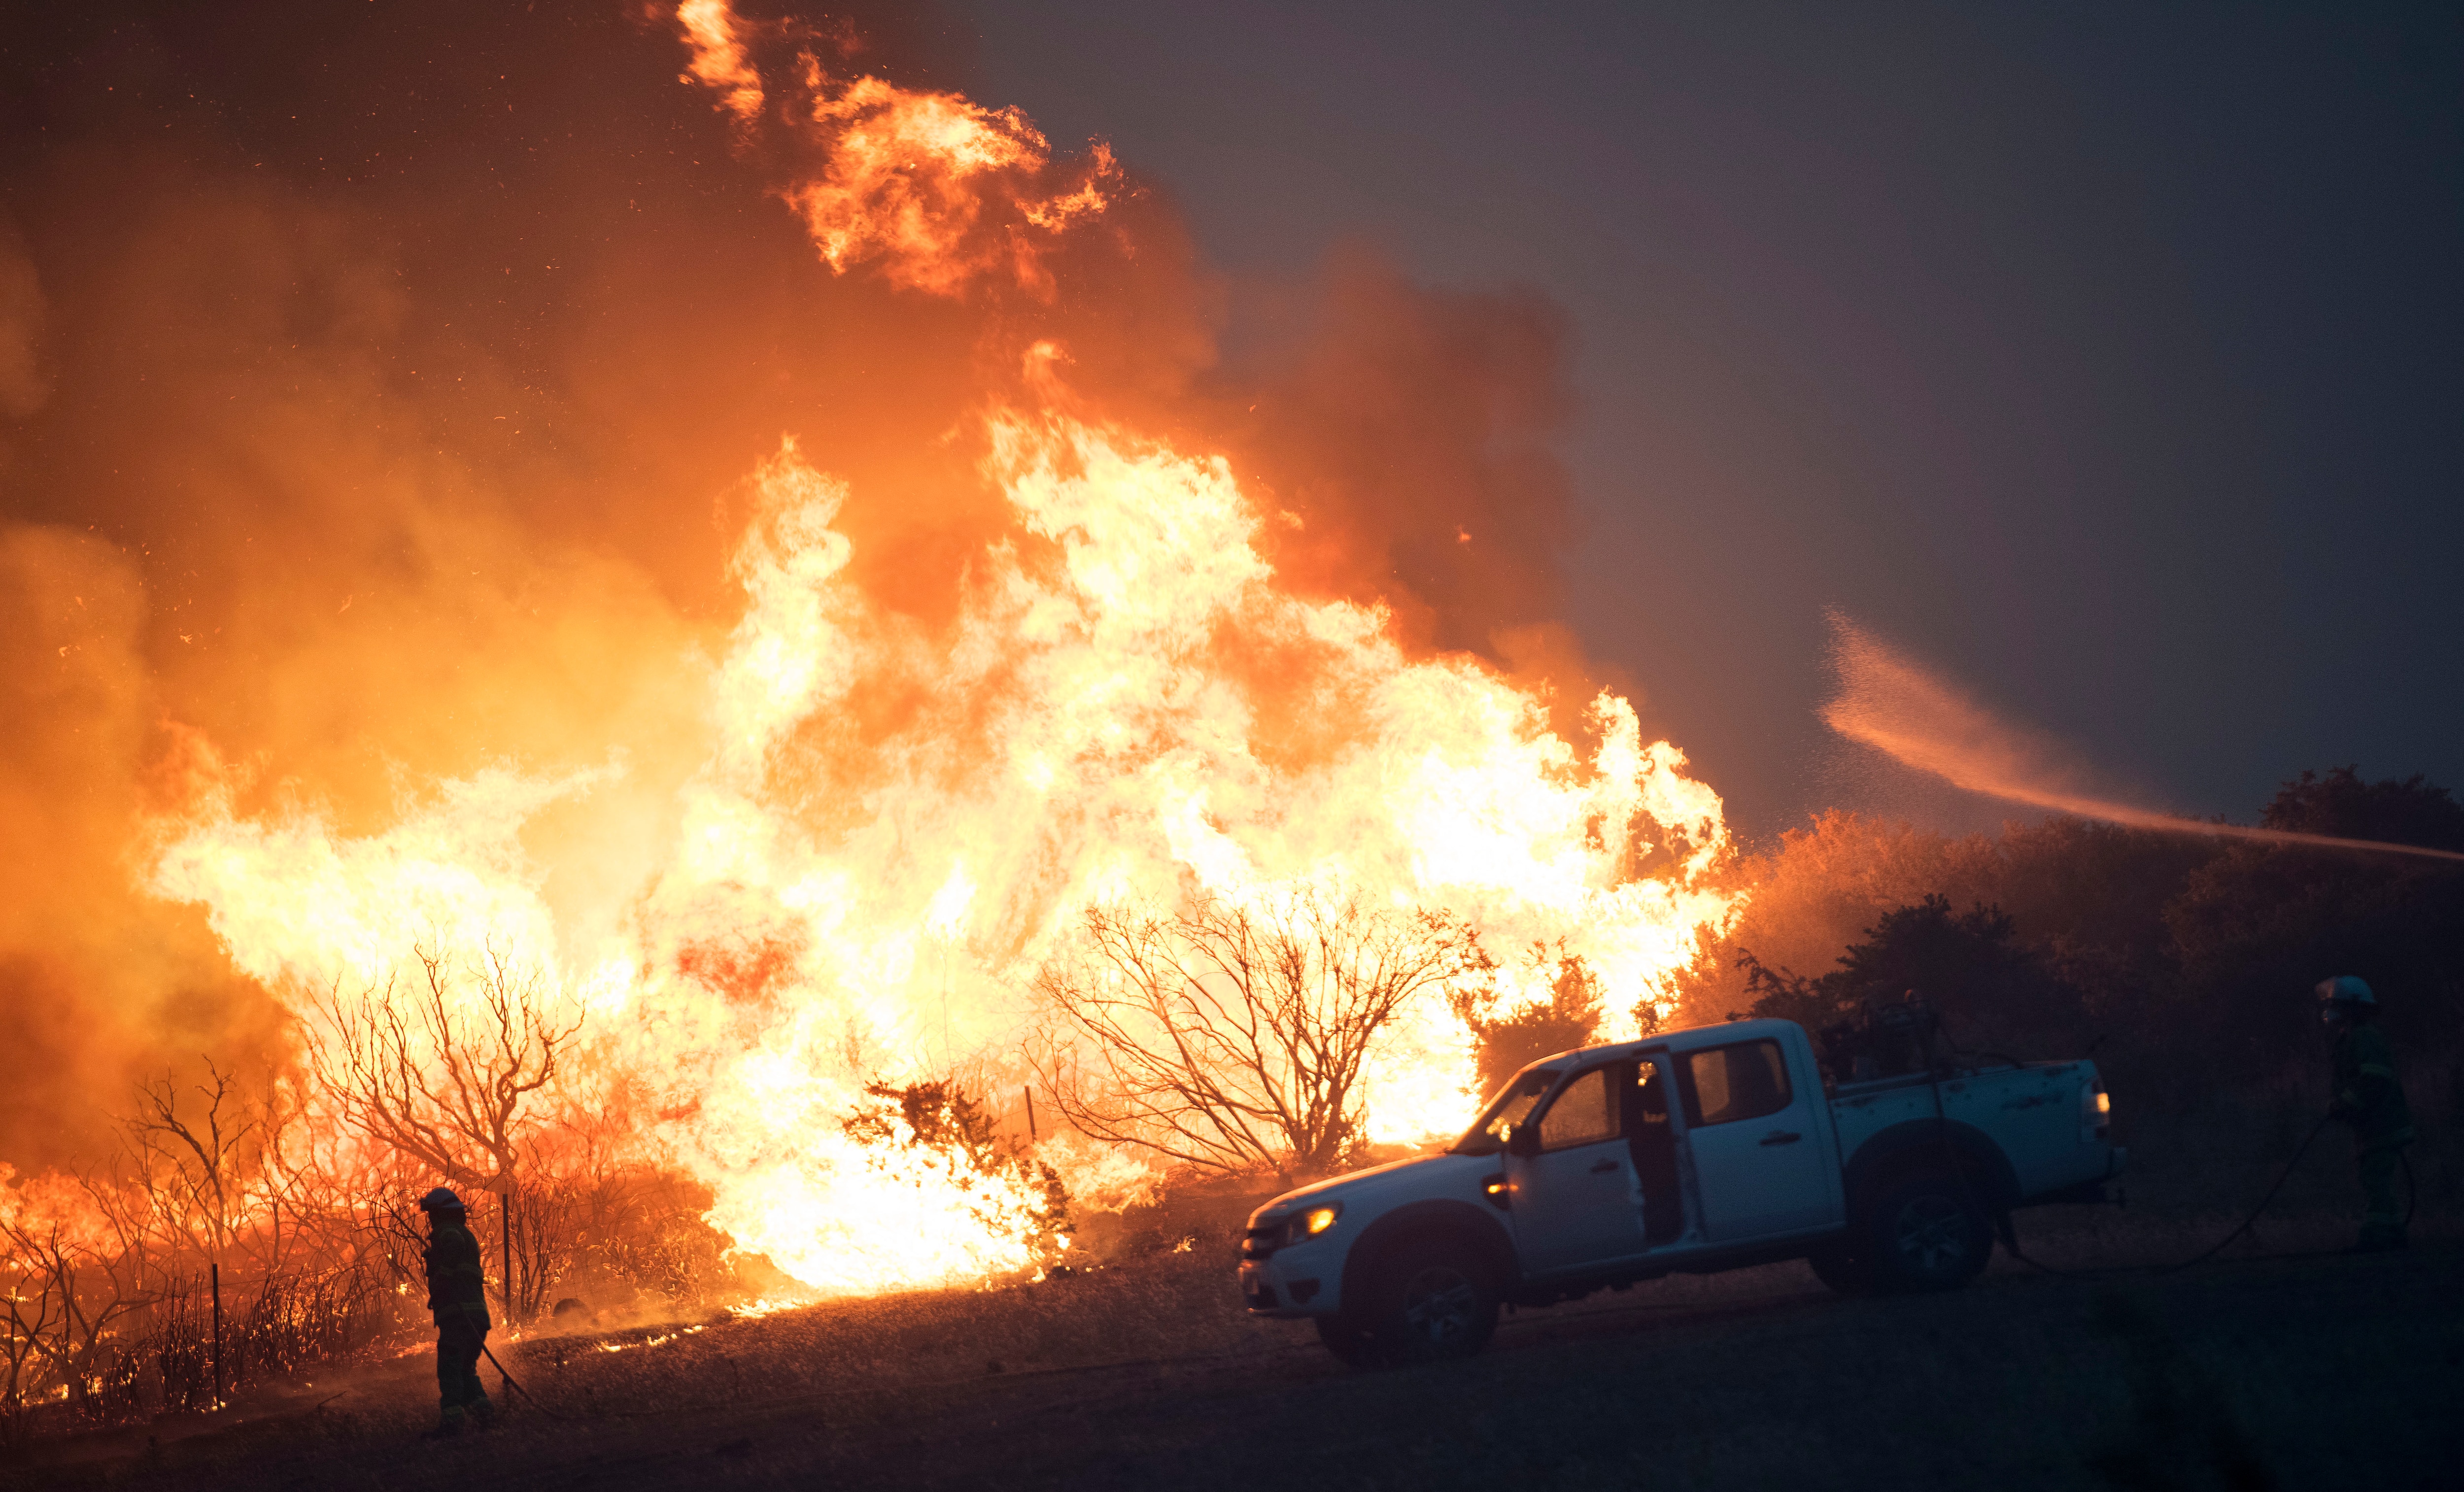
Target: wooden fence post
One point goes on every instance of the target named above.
(505, 1216)
(215, 1274)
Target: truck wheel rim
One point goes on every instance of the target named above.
(1933, 1235)
(1438, 1305)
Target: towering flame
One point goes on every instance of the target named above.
(896, 822)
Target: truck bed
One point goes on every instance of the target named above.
(2034, 1112)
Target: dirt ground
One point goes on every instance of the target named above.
(2307, 1372)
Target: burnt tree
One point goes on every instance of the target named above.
(444, 1068)
(1231, 1038)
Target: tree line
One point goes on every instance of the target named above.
(243, 1223)
(2186, 962)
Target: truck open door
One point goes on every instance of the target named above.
(1575, 1202)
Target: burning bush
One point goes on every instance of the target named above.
(941, 1118)
(116, 1305)
(1231, 1038)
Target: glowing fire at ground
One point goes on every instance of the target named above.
(1128, 709)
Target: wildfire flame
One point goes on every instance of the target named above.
(718, 59)
(1126, 706)
(935, 189)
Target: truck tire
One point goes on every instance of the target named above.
(1844, 1268)
(1924, 1234)
(1348, 1340)
(1431, 1300)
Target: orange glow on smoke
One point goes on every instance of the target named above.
(894, 822)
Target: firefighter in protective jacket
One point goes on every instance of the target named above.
(2370, 1100)
(458, 1296)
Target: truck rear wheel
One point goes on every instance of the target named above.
(1431, 1301)
(1844, 1268)
(1925, 1235)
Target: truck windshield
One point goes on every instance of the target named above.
(1496, 1125)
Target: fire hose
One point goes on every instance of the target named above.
(532, 1399)
(2412, 1197)
(1925, 1033)
(2244, 1226)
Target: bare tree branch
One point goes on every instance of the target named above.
(443, 1069)
(196, 1166)
(1230, 1036)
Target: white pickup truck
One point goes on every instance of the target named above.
(1691, 1152)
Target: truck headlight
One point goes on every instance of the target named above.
(1306, 1225)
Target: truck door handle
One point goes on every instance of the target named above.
(1782, 1138)
(1604, 1167)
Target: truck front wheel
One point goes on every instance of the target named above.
(1347, 1339)
(1430, 1300)
(1925, 1234)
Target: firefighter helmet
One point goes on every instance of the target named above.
(2346, 989)
(441, 1199)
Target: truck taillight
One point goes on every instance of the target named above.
(2095, 1111)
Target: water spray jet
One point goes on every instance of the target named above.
(1890, 703)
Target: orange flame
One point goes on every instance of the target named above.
(1126, 704)
(935, 190)
(718, 58)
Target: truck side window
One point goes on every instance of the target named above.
(1727, 1084)
(1585, 1113)
(1504, 1115)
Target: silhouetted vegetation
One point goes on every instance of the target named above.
(2192, 957)
(1969, 965)
(2258, 925)
(1504, 1046)
(233, 1183)
(1229, 1037)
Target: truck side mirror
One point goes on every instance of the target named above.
(1524, 1141)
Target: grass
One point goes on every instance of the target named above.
(1144, 1371)
(2282, 1373)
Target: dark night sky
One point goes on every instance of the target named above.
(2105, 357)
